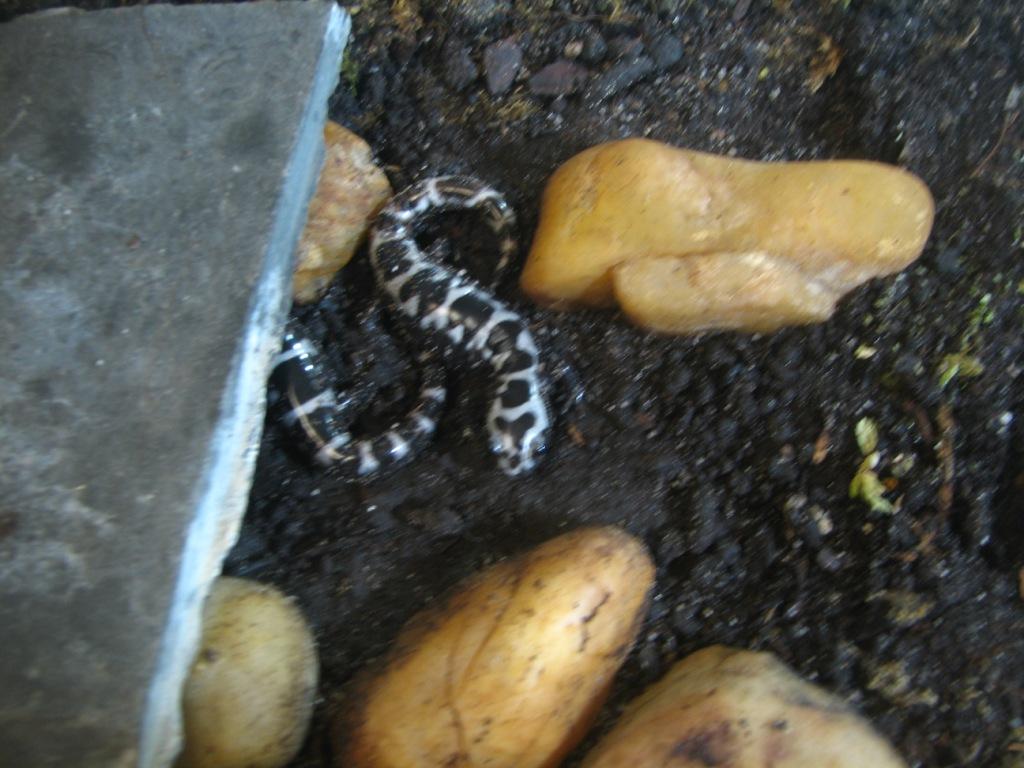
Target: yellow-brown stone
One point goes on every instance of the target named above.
(352, 189)
(787, 239)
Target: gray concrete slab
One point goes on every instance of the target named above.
(155, 167)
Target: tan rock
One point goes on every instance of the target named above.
(249, 696)
(350, 193)
(749, 291)
(814, 227)
(510, 671)
(728, 707)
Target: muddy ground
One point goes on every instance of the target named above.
(731, 455)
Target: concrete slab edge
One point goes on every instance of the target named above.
(236, 440)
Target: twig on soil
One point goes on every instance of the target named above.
(1008, 121)
(821, 447)
(971, 34)
(947, 463)
(924, 424)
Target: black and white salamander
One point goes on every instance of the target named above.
(320, 417)
(444, 304)
(461, 315)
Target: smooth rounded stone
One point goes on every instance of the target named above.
(685, 241)
(625, 46)
(352, 189)
(249, 696)
(511, 668)
(471, 14)
(594, 48)
(557, 79)
(502, 61)
(459, 68)
(666, 50)
(726, 706)
(618, 78)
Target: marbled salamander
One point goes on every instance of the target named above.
(320, 417)
(462, 315)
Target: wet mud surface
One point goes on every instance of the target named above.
(730, 455)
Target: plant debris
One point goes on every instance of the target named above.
(824, 64)
(866, 485)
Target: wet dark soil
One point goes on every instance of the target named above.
(731, 455)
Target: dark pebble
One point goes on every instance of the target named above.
(708, 523)
(666, 51)
(650, 658)
(625, 46)
(741, 483)
(471, 14)
(375, 88)
(501, 65)
(658, 609)
(669, 544)
(923, 290)
(706, 392)
(684, 622)
(782, 468)
(459, 68)
(731, 553)
(948, 261)
(594, 48)
(828, 560)
(761, 550)
(557, 79)
(677, 380)
(402, 50)
(728, 429)
(618, 78)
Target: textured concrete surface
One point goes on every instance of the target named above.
(155, 167)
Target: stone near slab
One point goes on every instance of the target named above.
(351, 191)
(502, 61)
(155, 168)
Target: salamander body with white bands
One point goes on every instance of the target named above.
(462, 315)
(319, 417)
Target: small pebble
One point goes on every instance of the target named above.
(618, 78)
(459, 68)
(475, 14)
(573, 49)
(594, 48)
(557, 79)
(948, 260)
(708, 522)
(1013, 97)
(625, 46)
(666, 51)
(502, 61)
(828, 560)
(376, 88)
